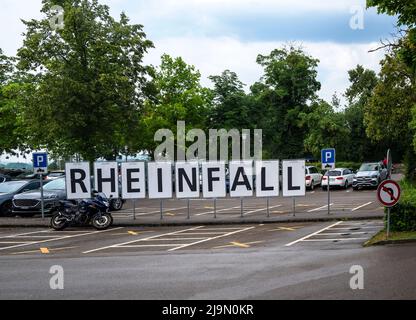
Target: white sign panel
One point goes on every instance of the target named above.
(160, 180)
(106, 178)
(294, 178)
(78, 180)
(267, 179)
(133, 180)
(241, 178)
(213, 180)
(187, 180)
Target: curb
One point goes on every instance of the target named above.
(218, 222)
(386, 242)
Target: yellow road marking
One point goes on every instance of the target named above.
(37, 251)
(170, 214)
(44, 250)
(132, 233)
(129, 232)
(209, 208)
(239, 244)
(278, 212)
(286, 228)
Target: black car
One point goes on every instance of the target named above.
(29, 204)
(9, 189)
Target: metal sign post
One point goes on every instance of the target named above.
(42, 202)
(242, 209)
(189, 213)
(215, 208)
(294, 206)
(134, 209)
(328, 162)
(40, 166)
(268, 207)
(161, 209)
(388, 194)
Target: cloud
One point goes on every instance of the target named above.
(213, 55)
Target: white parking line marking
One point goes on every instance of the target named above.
(123, 213)
(209, 239)
(320, 208)
(341, 233)
(24, 234)
(56, 239)
(138, 240)
(212, 211)
(262, 209)
(362, 206)
(312, 234)
(355, 228)
(332, 240)
(148, 245)
(14, 242)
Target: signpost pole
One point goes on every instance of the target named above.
(189, 214)
(294, 206)
(242, 213)
(268, 208)
(388, 222)
(134, 209)
(215, 208)
(329, 196)
(161, 209)
(42, 203)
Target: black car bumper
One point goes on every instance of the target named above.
(33, 207)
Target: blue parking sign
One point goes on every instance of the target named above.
(328, 158)
(40, 162)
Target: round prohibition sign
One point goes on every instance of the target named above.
(388, 193)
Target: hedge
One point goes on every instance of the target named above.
(403, 215)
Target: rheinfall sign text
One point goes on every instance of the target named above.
(187, 180)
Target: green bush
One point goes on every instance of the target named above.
(403, 215)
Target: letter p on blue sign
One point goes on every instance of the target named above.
(328, 158)
(40, 162)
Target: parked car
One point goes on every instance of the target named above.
(9, 189)
(29, 176)
(339, 178)
(28, 204)
(13, 169)
(52, 175)
(4, 178)
(370, 175)
(313, 177)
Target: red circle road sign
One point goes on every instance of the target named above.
(388, 193)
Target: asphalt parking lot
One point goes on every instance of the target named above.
(315, 203)
(271, 261)
(78, 242)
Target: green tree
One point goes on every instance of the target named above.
(388, 113)
(179, 96)
(87, 80)
(405, 9)
(231, 105)
(289, 83)
(326, 128)
(360, 147)
(11, 135)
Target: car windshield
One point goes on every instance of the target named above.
(11, 186)
(369, 167)
(18, 166)
(334, 173)
(58, 184)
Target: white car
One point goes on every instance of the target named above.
(340, 177)
(313, 177)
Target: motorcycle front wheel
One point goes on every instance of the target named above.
(102, 221)
(58, 222)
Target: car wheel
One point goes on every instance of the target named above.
(6, 209)
(346, 185)
(312, 185)
(116, 204)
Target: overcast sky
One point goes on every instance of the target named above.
(215, 35)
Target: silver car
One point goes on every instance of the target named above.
(370, 175)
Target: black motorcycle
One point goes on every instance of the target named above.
(90, 211)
